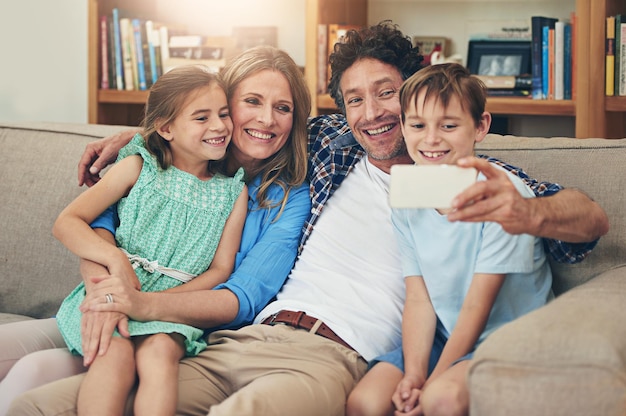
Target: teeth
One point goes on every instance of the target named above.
(214, 141)
(259, 135)
(433, 154)
(380, 130)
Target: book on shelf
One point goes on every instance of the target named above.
(507, 92)
(547, 61)
(164, 41)
(610, 57)
(154, 54)
(213, 65)
(567, 62)
(537, 24)
(197, 52)
(559, 58)
(117, 45)
(618, 22)
(111, 53)
(185, 41)
(551, 63)
(104, 53)
(622, 74)
(140, 64)
(510, 82)
(127, 53)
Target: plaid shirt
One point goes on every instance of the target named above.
(333, 153)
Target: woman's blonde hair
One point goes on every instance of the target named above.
(287, 167)
(166, 99)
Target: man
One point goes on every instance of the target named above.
(341, 305)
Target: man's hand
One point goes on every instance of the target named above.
(100, 154)
(495, 199)
(96, 332)
(569, 215)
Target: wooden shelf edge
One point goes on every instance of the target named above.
(122, 97)
(526, 106)
(617, 104)
(501, 105)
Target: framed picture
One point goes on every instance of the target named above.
(498, 57)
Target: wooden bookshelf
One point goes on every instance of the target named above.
(596, 115)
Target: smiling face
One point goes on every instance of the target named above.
(370, 91)
(262, 112)
(201, 131)
(435, 134)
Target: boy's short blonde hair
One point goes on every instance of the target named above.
(444, 82)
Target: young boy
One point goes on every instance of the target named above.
(463, 280)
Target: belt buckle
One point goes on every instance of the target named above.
(272, 320)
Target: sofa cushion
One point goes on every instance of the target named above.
(595, 166)
(566, 358)
(38, 167)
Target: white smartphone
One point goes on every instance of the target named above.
(428, 186)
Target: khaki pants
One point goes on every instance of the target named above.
(257, 370)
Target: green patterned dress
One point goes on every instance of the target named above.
(170, 218)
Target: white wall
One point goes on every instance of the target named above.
(43, 64)
(43, 69)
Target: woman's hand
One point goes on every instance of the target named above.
(97, 330)
(114, 294)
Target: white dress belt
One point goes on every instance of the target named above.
(153, 266)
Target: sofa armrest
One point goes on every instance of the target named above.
(566, 358)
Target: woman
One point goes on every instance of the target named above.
(269, 104)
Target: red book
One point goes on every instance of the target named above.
(104, 54)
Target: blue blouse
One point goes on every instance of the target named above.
(267, 252)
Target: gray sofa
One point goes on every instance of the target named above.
(568, 358)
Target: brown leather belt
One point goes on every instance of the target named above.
(301, 320)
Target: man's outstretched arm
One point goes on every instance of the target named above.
(569, 215)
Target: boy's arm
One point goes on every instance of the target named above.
(419, 323)
(471, 321)
(418, 330)
(224, 260)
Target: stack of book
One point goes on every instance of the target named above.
(615, 66)
(136, 52)
(507, 85)
(552, 58)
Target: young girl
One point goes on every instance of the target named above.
(463, 280)
(181, 220)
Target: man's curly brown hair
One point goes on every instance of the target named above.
(384, 42)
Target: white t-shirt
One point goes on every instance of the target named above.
(349, 274)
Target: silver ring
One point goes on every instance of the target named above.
(109, 298)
